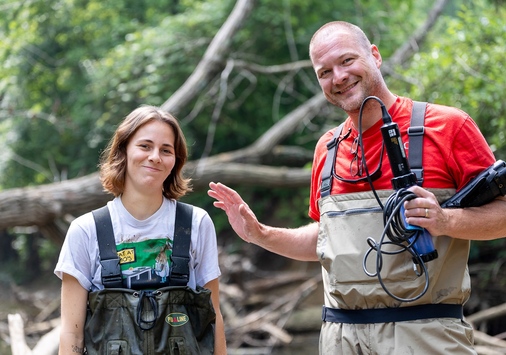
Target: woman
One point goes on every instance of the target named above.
(142, 167)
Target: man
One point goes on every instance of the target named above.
(359, 316)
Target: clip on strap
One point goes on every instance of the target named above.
(180, 258)
(328, 168)
(109, 259)
(415, 134)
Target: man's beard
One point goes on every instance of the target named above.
(353, 106)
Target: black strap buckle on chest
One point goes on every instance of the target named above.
(415, 134)
(330, 162)
(180, 258)
(109, 259)
(390, 315)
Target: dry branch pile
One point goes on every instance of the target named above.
(259, 310)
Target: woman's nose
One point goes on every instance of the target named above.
(154, 156)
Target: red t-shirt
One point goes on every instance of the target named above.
(454, 151)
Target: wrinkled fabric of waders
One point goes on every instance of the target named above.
(119, 321)
(346, 221)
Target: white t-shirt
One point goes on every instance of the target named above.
(142, 246)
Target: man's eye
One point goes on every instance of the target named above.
(323, 73)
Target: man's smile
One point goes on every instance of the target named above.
(348, 88)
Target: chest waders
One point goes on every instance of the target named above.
(174, 320)
(359, 317)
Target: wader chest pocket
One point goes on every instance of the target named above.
(117, 347)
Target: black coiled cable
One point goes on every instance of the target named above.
(395, 229)
(398, 235)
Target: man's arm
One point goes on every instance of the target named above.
(294, 243)
(486, 222)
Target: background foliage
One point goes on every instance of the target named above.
(72, 69)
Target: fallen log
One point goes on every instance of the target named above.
(487, 314)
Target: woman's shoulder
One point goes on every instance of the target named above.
(198, 212)
(84, 221)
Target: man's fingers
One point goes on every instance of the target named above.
(224, 193)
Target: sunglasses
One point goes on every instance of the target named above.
(357, 165)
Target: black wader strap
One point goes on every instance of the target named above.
(109, 259)
(415, 134)
(389, 315)
(180, 258)
(330, 161)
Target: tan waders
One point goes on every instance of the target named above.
(431, 324)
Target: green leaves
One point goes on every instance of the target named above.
(71, 70)
(460, 66)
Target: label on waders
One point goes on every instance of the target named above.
(177, 319)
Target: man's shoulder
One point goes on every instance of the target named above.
(406, 103)
(327, 136)
(439, 109)
(435, 113)
(321, 144)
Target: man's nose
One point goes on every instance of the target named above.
(339, 75)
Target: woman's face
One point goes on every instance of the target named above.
(150, 158)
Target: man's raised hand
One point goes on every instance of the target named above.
(240, 216)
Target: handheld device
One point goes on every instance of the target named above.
(418, 237)
(482, 189)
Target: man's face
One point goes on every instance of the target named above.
(346, 71)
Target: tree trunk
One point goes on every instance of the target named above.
(43, 205)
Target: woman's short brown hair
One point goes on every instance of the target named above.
(113, 160)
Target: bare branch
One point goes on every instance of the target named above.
(213, 60)
(43, 204)
(273, 69)
(413, 43)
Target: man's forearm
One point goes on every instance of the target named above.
(487, 222)
(294, 243)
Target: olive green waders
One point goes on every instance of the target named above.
(170, 320)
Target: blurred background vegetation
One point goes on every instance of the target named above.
(72, 69)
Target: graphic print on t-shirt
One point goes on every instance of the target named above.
(146, 263)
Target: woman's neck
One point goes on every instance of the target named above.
(140, 206)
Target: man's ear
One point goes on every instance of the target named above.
(377, 55)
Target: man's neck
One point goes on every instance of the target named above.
(371, 112)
